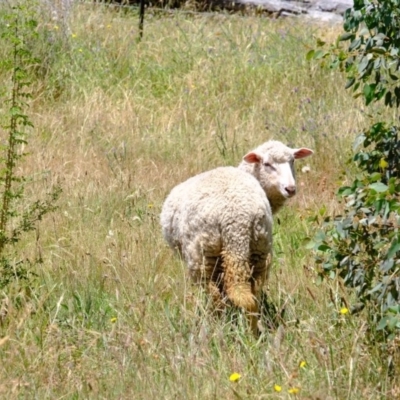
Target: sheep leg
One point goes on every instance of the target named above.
(239, 287)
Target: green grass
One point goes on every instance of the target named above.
(118, 123)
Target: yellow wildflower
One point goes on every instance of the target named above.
(56, 28)
(74, 35)
(302, 364)
(150, 205)
(344, 311)
(294, 390)
(113, 320)
(383, 163)
(235, 377)
(277, 388)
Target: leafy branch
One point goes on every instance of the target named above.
(361, 248)
(20, 29)
(371, 61)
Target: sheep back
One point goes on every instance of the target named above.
(222, 211)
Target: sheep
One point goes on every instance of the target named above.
(220, 222)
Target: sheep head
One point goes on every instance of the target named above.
(272, 164)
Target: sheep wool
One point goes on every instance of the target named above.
(220, 221)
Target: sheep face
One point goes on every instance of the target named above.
(273, 165)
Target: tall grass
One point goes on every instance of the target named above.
(119, 123)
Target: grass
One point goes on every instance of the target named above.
(118, 123)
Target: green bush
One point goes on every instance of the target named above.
(362, 246)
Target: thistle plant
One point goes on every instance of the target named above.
(19, 29)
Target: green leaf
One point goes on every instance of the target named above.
(350, 83)
(346, 36)
(392, 323)
(386, 265)
(397, 94)
(394, 309)
(382, 323)
(355, 44)
(378, 50)
(379, 187)
(375, 177)
(309, 244)
(310, 55)
(388, 99)
(323, 247)
(345, 191)
(358, 141)
(377, 63)
(363, 64)
(394, 248)
(369, 92)
(380, 36)
(320, 54)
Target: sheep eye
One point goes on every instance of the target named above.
(268, 165)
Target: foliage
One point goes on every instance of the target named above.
(20, 29)
(362, 246)
(372, 60)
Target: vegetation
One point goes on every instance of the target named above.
(362, 247)
(118, 123)
(17, 217)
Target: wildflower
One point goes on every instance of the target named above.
(383, 163)
(80, 50)
(344, 311)
(74, 35)
(306, 169)
(113, 320)
(302, 364)
(277, 388)
(108, 26)
(56, 27)
(235, 377)
(294, 390)
(150, 205)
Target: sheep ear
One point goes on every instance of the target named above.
(302, 153)
(252, 158)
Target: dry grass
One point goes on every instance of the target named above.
(118, 124)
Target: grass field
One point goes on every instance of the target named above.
(117, 124)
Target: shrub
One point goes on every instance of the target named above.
(362, 246)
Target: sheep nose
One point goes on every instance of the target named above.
(291, 190)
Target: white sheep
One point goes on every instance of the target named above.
(220, 221)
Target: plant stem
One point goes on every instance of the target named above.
(10, 163)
